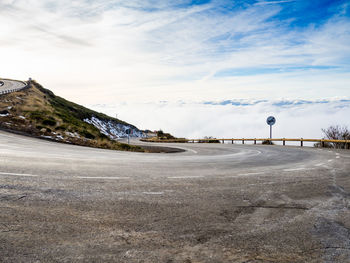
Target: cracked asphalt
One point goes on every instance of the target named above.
(211, 203)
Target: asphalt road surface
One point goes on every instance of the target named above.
(7, 85)
(211, 203)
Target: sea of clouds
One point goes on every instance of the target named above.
(234, 118)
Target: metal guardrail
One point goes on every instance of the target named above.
(255, 140)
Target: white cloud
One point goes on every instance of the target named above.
(273, 2)
(115, 50)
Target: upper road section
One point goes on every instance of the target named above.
(8, 86)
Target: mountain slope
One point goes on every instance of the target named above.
(39, 112)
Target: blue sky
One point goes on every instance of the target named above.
(242, 48)
(112, 52)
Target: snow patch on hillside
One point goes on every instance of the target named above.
(113, 129)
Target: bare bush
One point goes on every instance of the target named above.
(209, 139)
(323, 145)
(268, 142)
(337, 133)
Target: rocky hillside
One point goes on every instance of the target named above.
(38, 112)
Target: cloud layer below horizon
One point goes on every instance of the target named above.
(235, 118)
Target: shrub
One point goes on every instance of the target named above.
(337, 133)
(49, 122)
(38, 116)
(160, 133)
(325, 145)
(61, 128)
(209, 139)
(87, 134)
(164, 136)
(267, 142)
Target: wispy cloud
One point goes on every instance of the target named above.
(129, 50)
(274, 2)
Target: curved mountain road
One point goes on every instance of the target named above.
(212, 203)
(7, 86)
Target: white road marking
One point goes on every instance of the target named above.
(153, 193)
(330, 151)
(319, 164)
(294, 169)
(101, 177)
(17, 174)
(262, 184)
(337, 157)
(251, 173)
(331, 160)
(186, 149)
(337, 153)
(184, 177)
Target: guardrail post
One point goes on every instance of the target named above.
(284, 142)
(232, 141)
(242, 141)
(301, 142)
(323, 143)
(255, 141)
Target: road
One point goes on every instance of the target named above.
(8, 85)
(211, 203)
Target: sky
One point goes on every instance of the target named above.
(192, 68)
